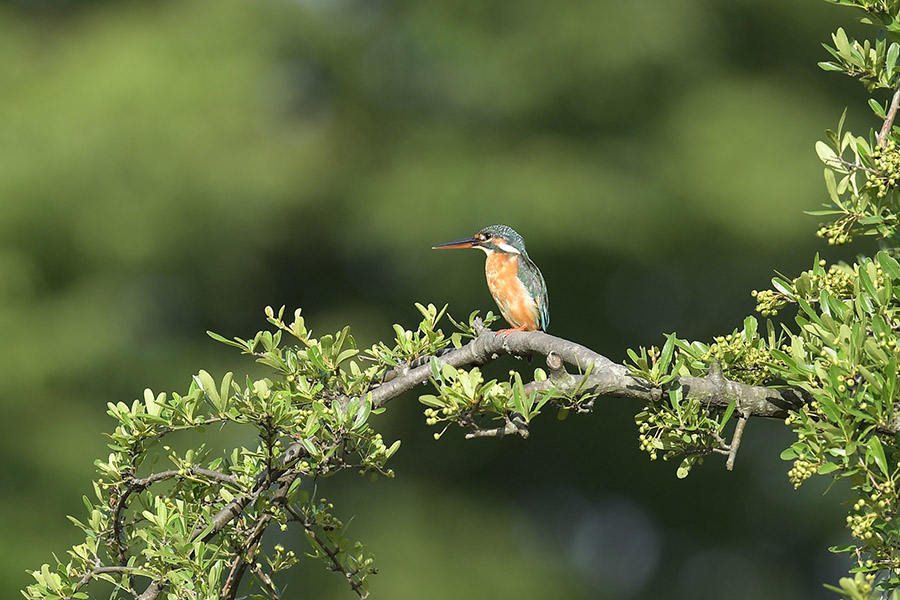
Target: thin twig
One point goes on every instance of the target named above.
(355, 583)
(736, 441)
(233, 509)
(153, 590)
(266, 581)
(515, 426)
(235, 574)
(86, 578)
(854, 166)
(138, 485)
(889, 118)
(247, 552)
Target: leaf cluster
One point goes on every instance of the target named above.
(689, 428)
(191, 521)
(842, 353)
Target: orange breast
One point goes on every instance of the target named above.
(515, 303)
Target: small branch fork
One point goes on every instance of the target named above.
(730, 450)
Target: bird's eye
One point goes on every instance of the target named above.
(485, 236)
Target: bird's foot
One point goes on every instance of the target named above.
(506, 332)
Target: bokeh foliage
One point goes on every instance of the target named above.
(171, 167)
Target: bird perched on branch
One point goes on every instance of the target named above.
(515, 281)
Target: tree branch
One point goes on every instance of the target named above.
(248, 549)
(487, 347)
(736, 441)
(607, 378)
(233, 509)
(137, 485)
(332, 553)
(889, 118)
(99, 570)
(515, 426)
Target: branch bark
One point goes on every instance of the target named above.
(889, 119)
(607, 378)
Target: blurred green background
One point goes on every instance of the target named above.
(171, 167)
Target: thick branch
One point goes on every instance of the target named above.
(487, 347)
(606, 378)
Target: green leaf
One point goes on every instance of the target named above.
(750, 328)
(436, 369)
(675, 395)
(826, 468)
(665, 357)
(876, 450)
(432, 401)
(729, 410)
(890, 382)
(826, 153)
(831, 186)
(362, 415)
(206, 383)
(782, 286)
(789, 454)
(821, 213)
(346, 355)
(866, 281)
(638, 361)
(392, 449)
(152, 403)
(890, 62)
(237, 342)
(310, 447)
(876, 107)
(830, 409)
(314, 353)
(225, 388)
(888, 264)
(829, 66)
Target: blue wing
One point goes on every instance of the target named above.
(534, 282)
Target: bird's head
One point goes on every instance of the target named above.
(495, 238)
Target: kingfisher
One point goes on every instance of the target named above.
(515, 281)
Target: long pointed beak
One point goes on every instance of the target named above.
(463, 243)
